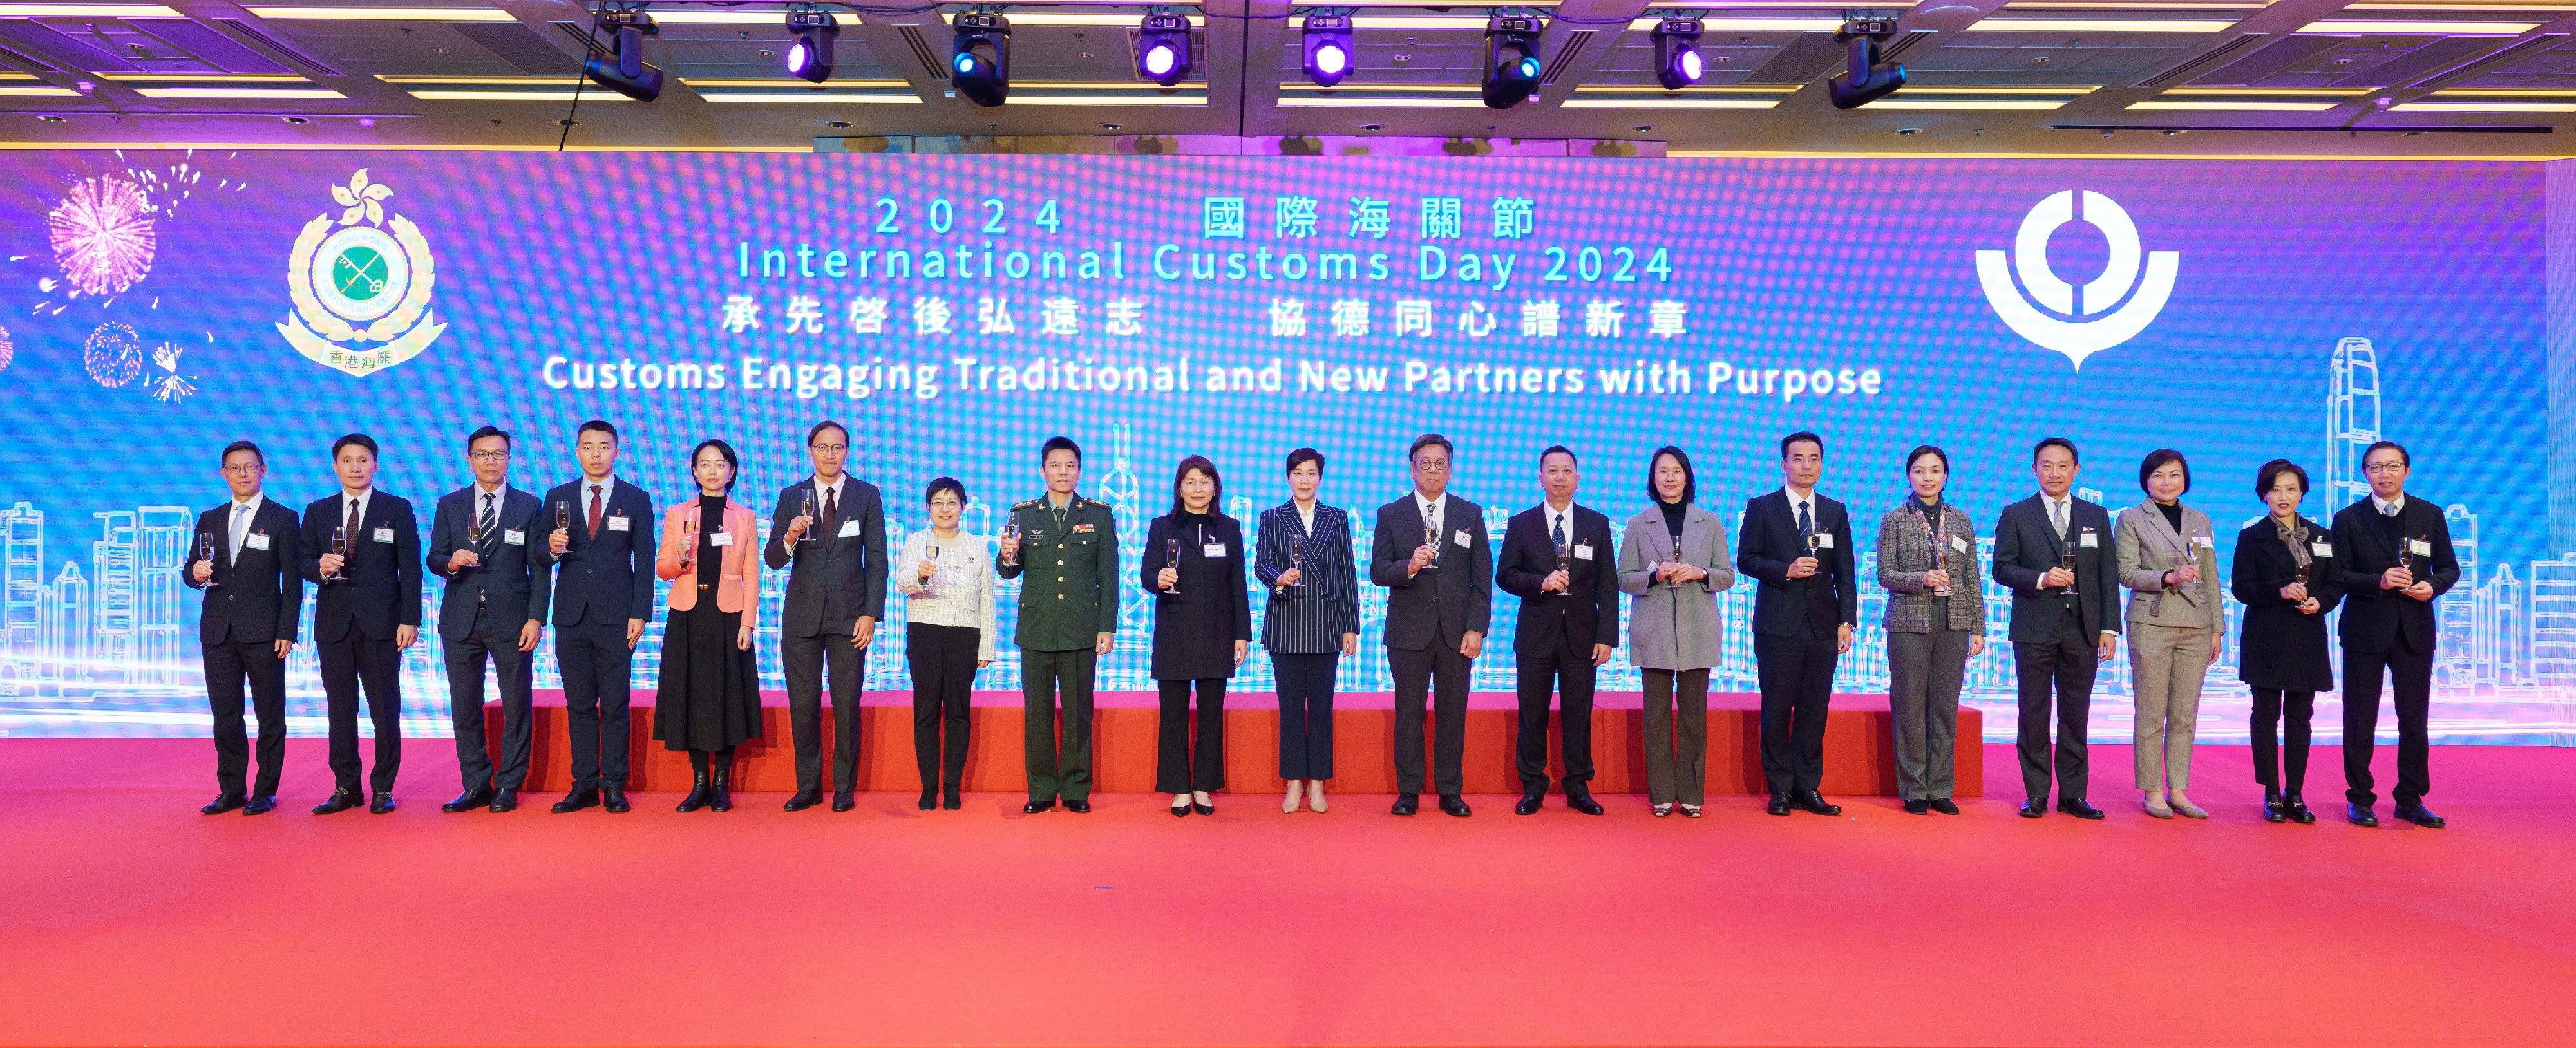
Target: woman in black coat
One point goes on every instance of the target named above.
(1193, 565)
(2283, 575)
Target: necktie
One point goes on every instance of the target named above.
(241, 516)
(1806, 524)
(351, 530)
(2057, 518)
(1558, 533)
(594, 511)
(483, 521)
(831, 510)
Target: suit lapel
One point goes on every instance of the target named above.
(2370, 525)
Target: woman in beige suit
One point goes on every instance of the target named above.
(2169, 561)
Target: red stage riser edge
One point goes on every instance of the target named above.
(1859, 753)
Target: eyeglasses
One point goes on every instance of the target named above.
(829, 449)
(2383, 467)
(244, 469)
(489, 456)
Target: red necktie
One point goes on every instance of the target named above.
(594, 511)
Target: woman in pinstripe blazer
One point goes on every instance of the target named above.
(1936, 622)
(1302, 555)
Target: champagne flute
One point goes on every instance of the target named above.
(688, 541)
(340, 548)
(1010, 534)
(1297, 563)
(1431, 538)
(1565, 563)
(2299, 569)
(807, 512)
(1940, 551)
(1172, 560)
(930, 555)
(2066, 559)
(206, 552)
(474, 536)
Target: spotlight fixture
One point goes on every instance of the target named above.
(1864, 79)
(1163, 49)
(1511, 59)
(810, 57)
(980, 63)
(1677, 61)
(1328, 49)
(624, 69)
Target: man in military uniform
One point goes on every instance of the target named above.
(1068, 546)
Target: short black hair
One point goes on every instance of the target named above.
(1793, 438)
(1921, 450)
(723, 449)
(2391, 445)
(1305, 455)
(596, 424)
(944, 484)
(1558, 449)
(2156, 460)
(488, 431)
(1426, 440)
(819, 427)
(1690, 479)
(359, 439)
(1200, 463)
(244, 445)
(2046, 443)
(1056, 444)
(2271, 472)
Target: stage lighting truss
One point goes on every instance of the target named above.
(1864, 78)
(1677, 59)
(1512, 63)
(809, 53)
(1163, 48)
(979, 64)
(623, 68)
(1327, 48)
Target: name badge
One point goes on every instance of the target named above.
(2320, 549)
(2421, 547)
(1824, 540)
(2090, 541)
(255, 540)
(1583, 551)
(1459, 537)
(513, 537)
(849, 529)
(617, 523)
(1212, 550)
(2203, 541)
(1958, 545)
(384, 534)
(721, 538)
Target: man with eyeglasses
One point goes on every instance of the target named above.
(493, 613)
(245, 558)
(2393, 556)
(1431, 554)
(832, 528)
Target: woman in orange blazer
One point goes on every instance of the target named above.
(710, 691)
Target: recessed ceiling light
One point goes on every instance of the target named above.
(1111, 125)
(298, 120)
(1645, 127)
(49, 118)
(1909, 132)
(1363, 127)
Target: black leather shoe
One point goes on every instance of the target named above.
(2079, 807)
(1918, 807)
(2034, 808)
(930, 800)
(1529, 804)
(2297, 808)
(950, 800)
(223, 802)
(1454, 805)
(2420, 816)
(469, 800)
(341, 800)
(580, 797)
(1583, 802)
(697, 797)
(1034, 807)
(844, 800)
(1406, 804)
(2274, 810)
(803, 799)
(1945, 806)
(260, 805)
(1815, 802)
(613, 799)
(382, 805)
(505, 800)
(2360, 815)
(1779, 804)
(1078, 807)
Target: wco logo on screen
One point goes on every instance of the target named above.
(360, 284)
(2077, 321)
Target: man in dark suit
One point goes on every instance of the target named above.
(1431, 553)
(1798, 543)
(1556, 559)
(2065, 621)
(494, 611)
(834, 597)
(601, 551)
(362, 547)
(2392, 556)
(245, 559)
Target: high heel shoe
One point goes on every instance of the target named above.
(1315, 798)
(929, 800)
(1203, 809)
(697, 797)
(1181, 810)
(721, 797)
(2273, 809)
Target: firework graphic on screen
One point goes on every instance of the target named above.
(8, 349)
(167, 385)
(113, 355)
(102, 234)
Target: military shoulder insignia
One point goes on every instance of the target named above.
(1030, 504)
(360, 284)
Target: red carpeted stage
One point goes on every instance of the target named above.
(130, 919)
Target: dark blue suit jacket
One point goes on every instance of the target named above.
(607, 578)
(2026, 546)
(380, 585)
(1766, 545)
(512, 580)
(836, 580)
(258, 597)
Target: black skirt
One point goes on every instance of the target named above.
(710, 689)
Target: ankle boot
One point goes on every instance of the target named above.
(697, 797)
(721, 799)
(2274, 809)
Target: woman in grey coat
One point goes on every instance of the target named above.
(2169, 562)
(1673, 561)
(1936, 621)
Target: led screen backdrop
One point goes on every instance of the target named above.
(955, 312)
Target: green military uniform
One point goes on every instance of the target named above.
(1068, 598)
